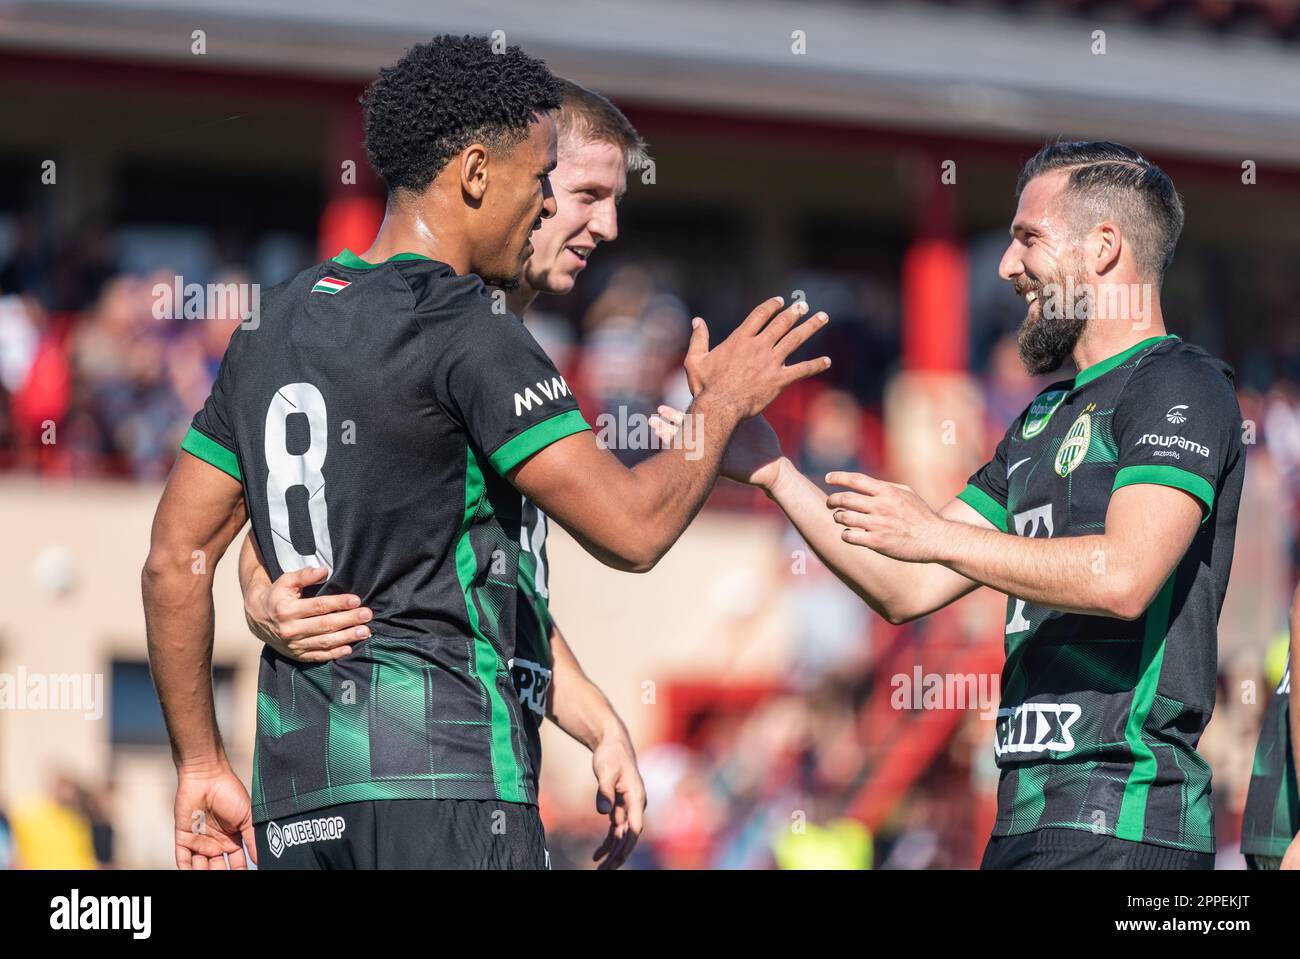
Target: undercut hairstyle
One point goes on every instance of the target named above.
(1109, 181)
(444, 95)
(587, 117)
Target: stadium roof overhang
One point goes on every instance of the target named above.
(988, 73)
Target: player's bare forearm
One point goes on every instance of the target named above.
(1116, 573)
(252, 574)
(628, 518)
(574, 702)
(896, 590)
(666, 491)
(1054, 573)
(1109, 574)
(201, 511)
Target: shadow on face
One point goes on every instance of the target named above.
(516, 199)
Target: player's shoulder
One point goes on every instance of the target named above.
(302, 282)
(445, 299)
(274, 300)
(1174, 361)
(1180, 376)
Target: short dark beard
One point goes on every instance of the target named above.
(1045, 343)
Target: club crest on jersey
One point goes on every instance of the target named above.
(1040, 411)
(1075, 445)
(330, 285)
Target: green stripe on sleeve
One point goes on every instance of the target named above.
(537, 437)
(211, 452)
(985, 505)
(1163, 475)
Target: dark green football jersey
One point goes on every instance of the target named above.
(372, 416)
(531, 667)
(1100, 717)
(1272, 816)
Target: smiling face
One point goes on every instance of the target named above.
(1040, 260)
(588, 182)
(517, 201)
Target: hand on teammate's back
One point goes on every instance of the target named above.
(748, 369)
(315, 629)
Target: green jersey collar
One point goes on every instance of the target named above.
(349, 259)
(1105, 366)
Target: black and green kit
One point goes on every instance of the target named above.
(1272, 816)
(533, 661)
(1100, 717)
(371, 412)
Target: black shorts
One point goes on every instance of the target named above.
(1081, 849)
(407, 834)
(1266, 863)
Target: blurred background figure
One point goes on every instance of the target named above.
(833, 626)
(6, 842)
(51, 831)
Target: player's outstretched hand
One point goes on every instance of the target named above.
(620, 794)
(312, 630)
(214, 819)
(886, 517)
(753, 454)
(748, 368)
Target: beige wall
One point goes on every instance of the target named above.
(98, 535)
(708, 608)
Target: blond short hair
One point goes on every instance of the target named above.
(587, 117)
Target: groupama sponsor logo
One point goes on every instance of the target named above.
(1182, 442)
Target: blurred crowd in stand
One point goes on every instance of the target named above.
(95, 383)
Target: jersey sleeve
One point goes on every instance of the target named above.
(211, 436)
(494, 380)
(1178, 424)
(986, 490)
